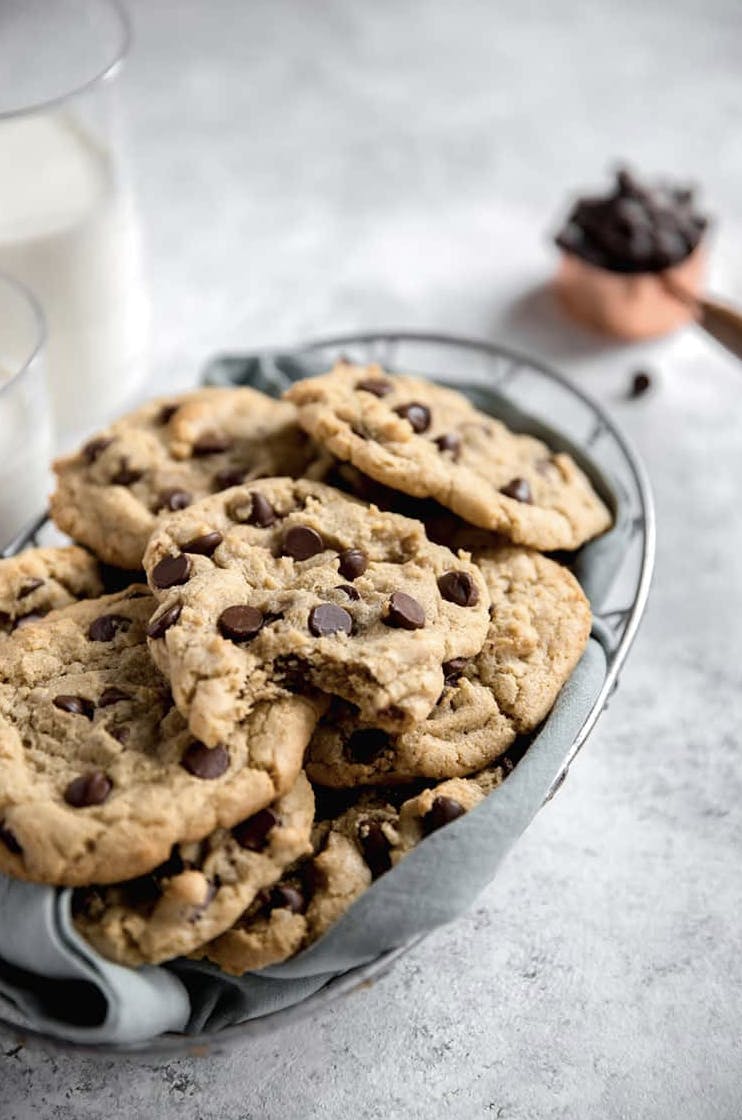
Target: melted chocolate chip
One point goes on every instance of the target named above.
(451, 441)
(442, 812)
(353, 563)
(126, 475)
(262, 512)
(173, 499)
(171, 571)
(211, 443)
(89, 789)
(418, 415)
(375, 385)
(519, 489)
(205, 762)
(240, 623)
(453, 669)
(458, 588)
(375, 847)
(405, 612)
(28, 587)
(253, 833)
(300, 542)
(106, 627)
(119, 731)
(327, 618)
(92, 450)
(231, 476)
(158, 626)
(75, 705)
(365, 744)
(349, 590)
(205, 545)
(166, 413)
(9, 840)
(285, 897)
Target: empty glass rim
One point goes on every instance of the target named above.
(108, 70)
(39, 326)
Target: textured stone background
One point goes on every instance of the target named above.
(314, 167)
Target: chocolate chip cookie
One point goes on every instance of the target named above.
(200, 890)
(352, 849)
(99, 775)
(44, 579)
(166, 455)
(430, 442)
(539, 626)
(280, 586)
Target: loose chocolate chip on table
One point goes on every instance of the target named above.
(349, 590)
(173, 499)
(126, 475)
(89, 789)
(453, 669)
(75, 705)
(171, 571)
(205, 762)
(232, 476)
(166, 413)
(9, 840)
(519, 489)
(205, 545)
(353, 563)
(211, 443)
(262, 512)
(459, 588)
(28, 587)
(158, 626)
(106, 627)
(366, 743)
(240, 623)
(417, 414)
(286, 898)
(327, 619)
(92, 450)
(253, 833)
(640, 383)
(375, 385)
(451, 441)
(442, 811)
(112, 696)
(300, 542)
(375, 847)
(405, 612)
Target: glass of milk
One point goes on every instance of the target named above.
(68, 224)
(25, 429)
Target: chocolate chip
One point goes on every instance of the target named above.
(359, 432)
(89, 789)
(205, 762)
(375, 847)
(9, 840)
(75, 705)
(327, 619)
(349, 590)
(301, 542)
(285, 897)
(418, 415)
(171, 571)
(205, 545)
(262, 512)
(365, 744)
(211, 443)
(166, 413)
(173, 499)
(519, 489)
(28, 587)
(240, 623)
(253, 833)
(353, 563)
(126, 475)
(92, 450)
(106, 627)
(375, 385)
(119, 731)
(158, 626)
(231, 476)
(640, 383)
(442, 811)
(453, 669)
(405, 612)
(458, 588)
(451, 441)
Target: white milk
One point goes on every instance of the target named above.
(25, 452)
(69, 231)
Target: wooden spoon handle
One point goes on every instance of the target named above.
(719, 319)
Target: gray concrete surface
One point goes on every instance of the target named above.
(314, 167)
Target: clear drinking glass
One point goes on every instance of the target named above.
(68, 224)
(25, 429)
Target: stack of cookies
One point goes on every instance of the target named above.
(332, 629)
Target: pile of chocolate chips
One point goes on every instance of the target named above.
(636, 228)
